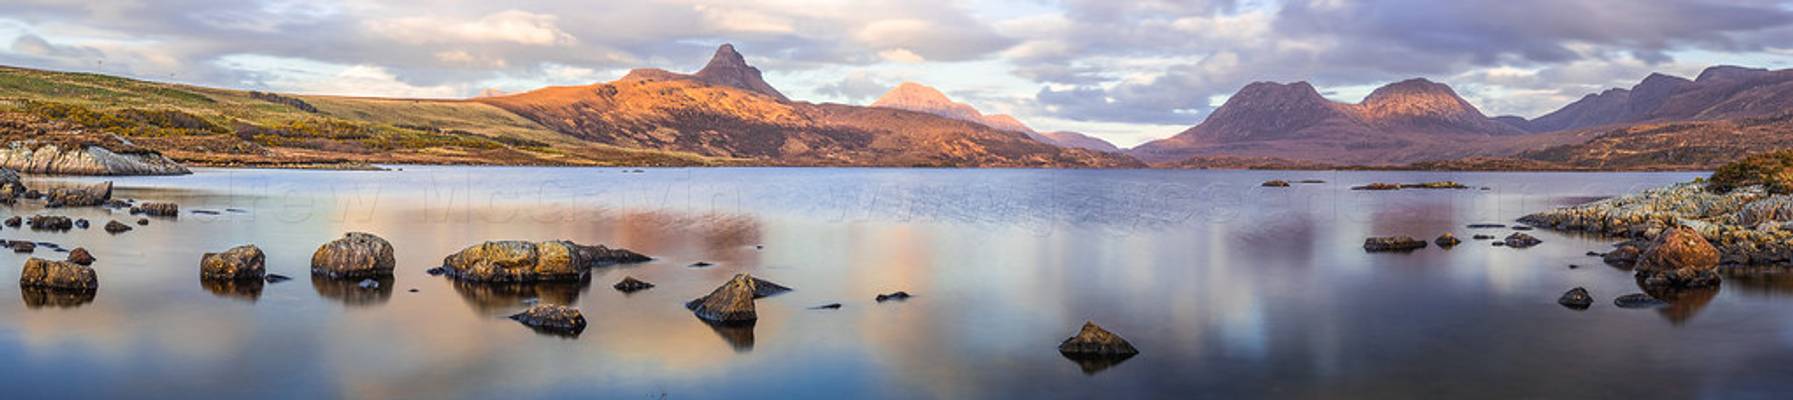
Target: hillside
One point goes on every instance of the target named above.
(916, 97)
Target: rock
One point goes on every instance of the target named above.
(369, 283)
(355, 255)
(1311, 181)
(515, 261)
(1275, 183)
(1594, 253)
(11, 186)
(1378, 186)
(65, 275)
(22, 246)
(1623, 256)
(1521, 228)
(1392, 243)
(277, 278)
(1679, 258)
(80, 256)
(1434, 185)
(80, 196)
(143, 221)
(1638, 300)
(244, 262)
(51, 223)
(81, 223)
(116, 203)
(1482, 237)
(893, 296)
(14, 221)
(829, 306)
(1447, 240)
(1573, 266)
(730, 303)
(34, 194)
(631, 285)
(34, 157)
(1520, 240)
(1500, 244)
(154, 209)
(116, 227)
(1092, 340)
(552, 318)
(1487, 226)
(700, 264)
(413, 290)
(1577, 299)
(205, 212)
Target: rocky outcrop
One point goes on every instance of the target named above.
(11, 186)
(355, 255)
(730, 303)
(1275, 183)
(1447, 240)
(244, 262)
(79, 196)
(1743, 225)
(51, 223)
(1681, 258)
(1519, 240)
(631, 285)
(1092, 340)
(552, 318)
(1392, 243)
(154, 209)
(61, 275)
(55, 159)
(115, 227)
(1577, 299)
(520, 261)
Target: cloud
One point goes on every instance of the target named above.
(857, 86)
(509, 27)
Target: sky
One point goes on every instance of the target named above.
(1126, 71)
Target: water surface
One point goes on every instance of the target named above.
(1229, 290)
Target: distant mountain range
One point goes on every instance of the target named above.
(921, 98)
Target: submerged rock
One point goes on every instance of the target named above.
(58, 275)
(117, 227)
(355, 255)
(1275, 183)
(368, 283)
(1625, 256)
(51, 223)
(1638, 300)
(1482, 237)
(277, 278)
(244, 262)
(700, 264)
(892, 296)
(1681, 258)
(155, 209)
(1378, 186)
(80, 256)
(1487, 226)
(552, 318)
(1447, 240)
(1392, 243)
(520, 261)
(829, 306)
(631, 285)
(79, 196)
(1577, 298)
(731, 303)
(22, 246)
(1520, 240)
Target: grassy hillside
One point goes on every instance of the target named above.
(209, 126)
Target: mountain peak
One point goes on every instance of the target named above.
(911, 94)
(729, 68)
(1729, 72)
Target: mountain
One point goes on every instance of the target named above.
(1081, 141)
(1403, 122)
(1720, 92)
(922, 98)
(725, 111)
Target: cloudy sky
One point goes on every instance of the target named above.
(1128, 71)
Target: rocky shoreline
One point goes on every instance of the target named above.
(1749, 226)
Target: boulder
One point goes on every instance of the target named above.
(1392, 243)
(51, 223)
(1520, 240)
(1679, 258)
(244, 262)
(143, 222)
(1378, 186)
(1275, 183)
(892, 296)
(80, 256)
(551, 318)
(79, 196)
(520, 261)
(1447, 240)
(631, 285)
(1577, 298)
(730, 303)
(81, 223)
(1625, 256)
(355, 255)
(11, 186)
(41, 273)
(14, 221)
(154, 209)
(1092, 340)
(117, 227)
(21, 246)
(1482, 237)
(1638, 300)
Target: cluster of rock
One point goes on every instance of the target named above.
(516, 261)
(1422, 185)
(1746, 226)
(154, 209)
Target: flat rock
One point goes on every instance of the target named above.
(1638, 300)
(515, 261)
(157, 209)
(631, 285)
(892, 296)
(51, 223)
(79, 196)
(1275, 183)
(1520, 240)
(552, 318)
(1392, 243)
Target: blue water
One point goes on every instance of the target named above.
(1228, 289)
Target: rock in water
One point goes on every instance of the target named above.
(1625, 256)
(277, 278)
(829, 306)
(368, 284)
(15, 221)
(1520, 240)
(1378, 186)
(552, 319)
(1577, 298)
(81, 223)
(22, 246)
(1447, 240)
(51, 223)
(730, 303)
(1392, 243)
(515, 261)
(117, 227)
(85, 159)
(11, 186)
(631, 285)
(41, 273)
(1638, 300)
(1275, 183)
(1680, 258)
(80, 196)
(355, 255)
(893, 296)
(157, 209)
(80, 256)
(244, 262)
(1093, 340)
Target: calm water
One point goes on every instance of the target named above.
(1228, 289)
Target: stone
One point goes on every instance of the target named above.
(552, 318)
(1487, 226)
(1521, 228)
(1392, 243)
(1679, 258)
(1378, 186)
(79, 196)
(892, 296)
(51, 223)
(81, 223)
(1275, 183)
(22, 246)
(700, 264)
(1520, 240)
(1577, 298)
(1638, 300)
(355, 255)
(1447, 240)
(368, 283)
(631, 285)
(277, 278)
(515, 261)
(1624, 256)
(1594, 253)
(116, 227)
(730, 303)
(1482, 237)
(143, 221)
(156, 209)
(41, 273)
(1092, 340)
(244, 262)
(80, 256)
(14, 222)
(829, 306)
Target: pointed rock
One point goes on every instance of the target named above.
(730, 303)
(1093, 340)
(729, 68)
(1576, 299)
(631, 285)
